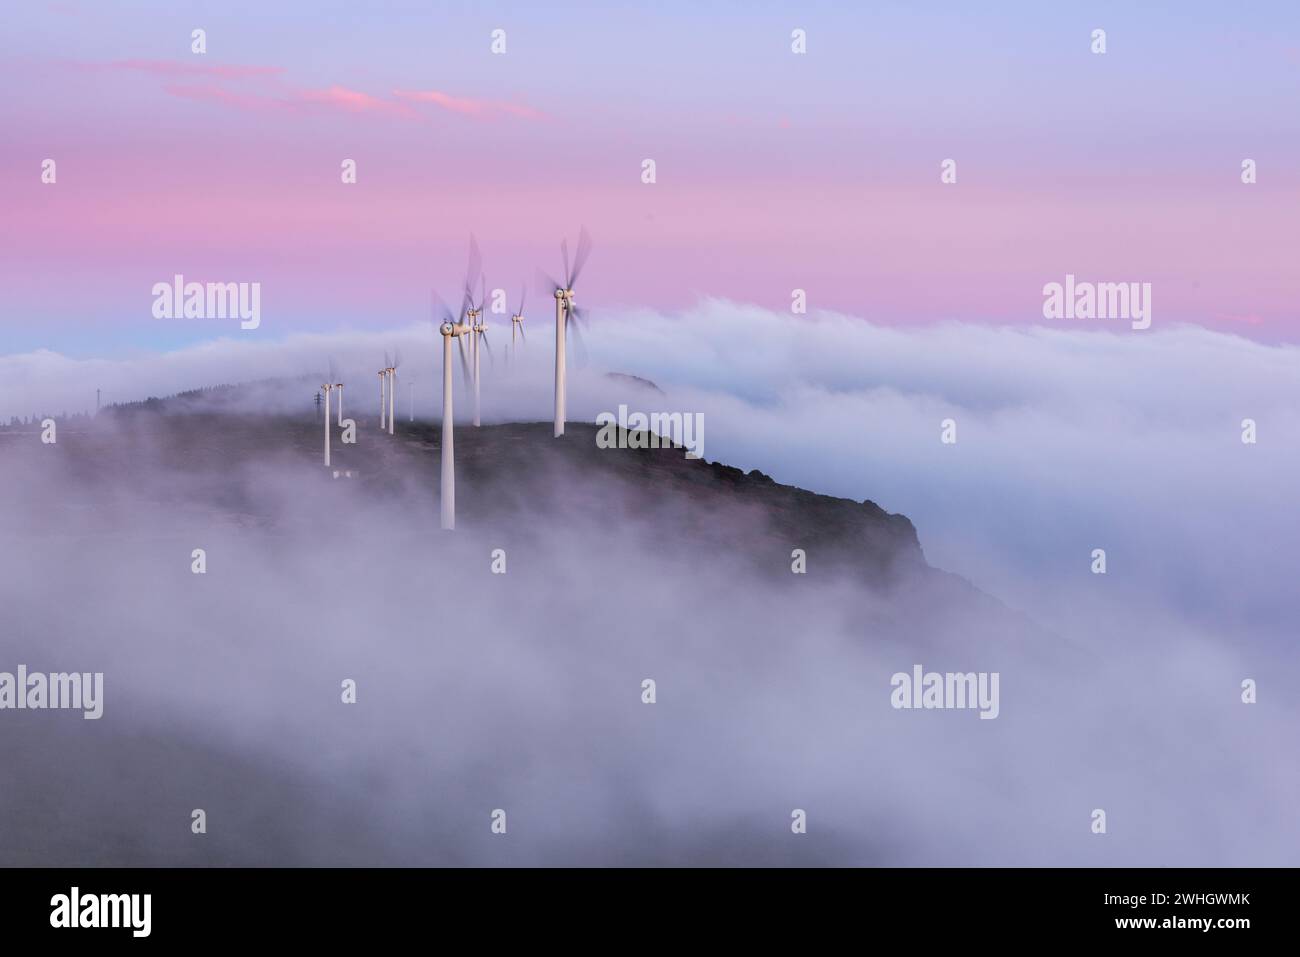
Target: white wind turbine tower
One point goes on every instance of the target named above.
(471, 314)
(383, 376)
(392, 387)
(517, 324)
(326, 388)
(451, 328)
(564, 311)
(478, 326)
(333, 374)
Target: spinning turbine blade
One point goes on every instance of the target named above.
(548, 283)
(475, 265)
(464, 365)
(442, 312)
(580, 255)
(564, 251)
(576, 328)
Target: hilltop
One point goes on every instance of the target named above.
(504, 472)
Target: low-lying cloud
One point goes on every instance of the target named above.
(522, 691)
(1066, 441)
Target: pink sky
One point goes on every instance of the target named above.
(229, 169)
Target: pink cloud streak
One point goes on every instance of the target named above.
(352, 101)
(467, 106)
(334, 98)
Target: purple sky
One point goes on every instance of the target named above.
(775, 171)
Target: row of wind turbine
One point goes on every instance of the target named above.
(471, 323)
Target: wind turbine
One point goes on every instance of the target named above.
(478, 327)
(517, 323)
(333, 374)
(458, 329)
(392, 387)
(564, 311)
(383, 375)
(326, 388)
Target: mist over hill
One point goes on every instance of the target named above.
(479, 691)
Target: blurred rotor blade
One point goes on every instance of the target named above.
(521, 332)
(475, 268)
(488, 344)
(580, 255)
(564, 251)
(580, 316)
(574, 327)
(397, 357)
(442, 312)
(523, 294)
(464, 365)
(547, 283)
